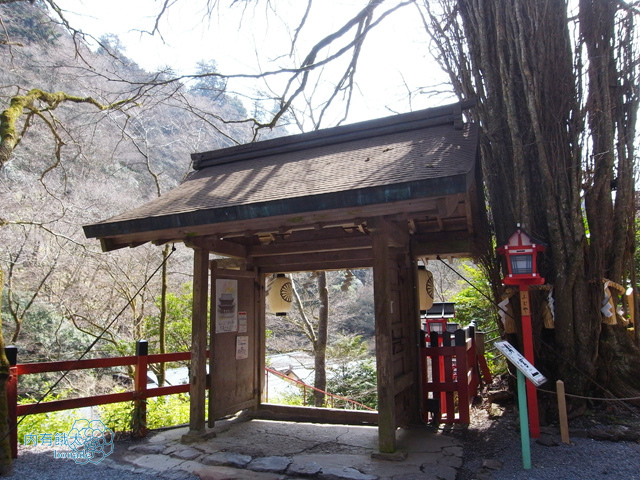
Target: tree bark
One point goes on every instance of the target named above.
(571, 186)
(9, 135)
(320, 347)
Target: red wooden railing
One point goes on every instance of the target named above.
(332, 397)
(451, 375)
(138, 395)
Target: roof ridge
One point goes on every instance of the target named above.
(430, 117)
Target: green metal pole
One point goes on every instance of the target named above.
(524, 422)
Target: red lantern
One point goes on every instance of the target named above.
(521, 252)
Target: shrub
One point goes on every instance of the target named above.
(45, 423)
(163, 411)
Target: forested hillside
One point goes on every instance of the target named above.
(76, 164)
(115, 137)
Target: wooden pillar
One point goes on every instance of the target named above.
(261, 340)
(527, 340)
(411, 321)
(198, 371)
(139, 423)
(12, 398)
(384, 351)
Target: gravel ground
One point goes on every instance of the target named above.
(40, 463)
(584, 459)
(493, 450)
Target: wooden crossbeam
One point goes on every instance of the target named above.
(329, 258)
(216, 245)
(396, 236)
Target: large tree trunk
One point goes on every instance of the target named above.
(541, 168)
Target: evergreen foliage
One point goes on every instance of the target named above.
(179, 307)
(473, 302)
(25, 23)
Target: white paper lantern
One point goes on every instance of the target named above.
(280, 295)
(425, 288)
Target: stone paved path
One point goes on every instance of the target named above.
(268, 450)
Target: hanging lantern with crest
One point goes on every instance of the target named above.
(280, 295)
(425, 288)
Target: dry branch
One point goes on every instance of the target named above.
(37, 102)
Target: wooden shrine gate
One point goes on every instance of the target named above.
(380, 194)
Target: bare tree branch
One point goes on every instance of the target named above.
(19, 103)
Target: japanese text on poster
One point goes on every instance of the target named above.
(226, 305)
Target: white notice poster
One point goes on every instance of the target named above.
(226, 305)
(242, 322)
(242, 347)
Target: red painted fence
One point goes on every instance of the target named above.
(452, 369)
(138, 395)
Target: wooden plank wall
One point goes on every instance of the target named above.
(233, 384)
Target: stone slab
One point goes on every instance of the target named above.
(227, 473)
(274, 464)
(302, 451)
(344, 473)
(298, 467)
(227, 459)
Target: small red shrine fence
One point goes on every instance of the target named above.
(453, 365)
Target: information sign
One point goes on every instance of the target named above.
(521, 363)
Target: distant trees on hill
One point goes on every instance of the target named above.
(72, 163)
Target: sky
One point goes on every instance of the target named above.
(394, 59)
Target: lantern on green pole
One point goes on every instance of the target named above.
(521, 253)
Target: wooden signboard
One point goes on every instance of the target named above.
(521, 363)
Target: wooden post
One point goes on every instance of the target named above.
(562, 412)
(524, 423)
(384, 351)
(139, 421)
(12, 398)
(261, 341)
(527, 340)
(411, 319)
(265, 390)
(446, 374)
(213, 294)
(464, 368)
(198, 370)
(437, 375)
